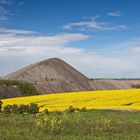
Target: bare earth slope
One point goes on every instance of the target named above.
(130, 81)
(52, 76)
(9, 92)
(108, 85)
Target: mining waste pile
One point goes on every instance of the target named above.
(56, 76)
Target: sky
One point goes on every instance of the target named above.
(100, 38)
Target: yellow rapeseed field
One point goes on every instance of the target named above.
(108, 99)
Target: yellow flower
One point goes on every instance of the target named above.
(108, 99)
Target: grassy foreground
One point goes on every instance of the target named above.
(90, 125)
(109, 99)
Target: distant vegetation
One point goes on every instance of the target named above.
(135, 85)
(25, 88)
(114, 78)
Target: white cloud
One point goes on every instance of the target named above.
(114, 14)
(11, 38)
(3, 18)
(92, 17)
(27, 47)
(18, 50)
(6, 1)
(4, 12)
(137, 39)
(15, 32)
(134, 49)
(94, 25)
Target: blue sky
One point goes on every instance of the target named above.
(101, 38)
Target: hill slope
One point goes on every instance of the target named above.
(9, 92)
(52, 76)
(56, 76)
(108, 85)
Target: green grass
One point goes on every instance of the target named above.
(92, 125)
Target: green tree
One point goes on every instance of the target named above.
(25, 88)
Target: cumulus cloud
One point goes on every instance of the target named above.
(26, 47)
(19, 48)
(114, 14)
(12, 38)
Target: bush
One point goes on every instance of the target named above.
(22, 109)
(83, 109)
(71, 109)
(14, 109)
(56, 112)
(7, 109)
(8, 82)
(1, 106)
(46, 111)
(25, 88)
(33, 108)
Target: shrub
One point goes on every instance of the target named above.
(33, 108)
(22, 109)
(7, 109)
(14, 109)
(83, 109)
(8, 82)
(25, 88)
(57, 112)
(1, 106)
(71, 109)
(46, 111)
